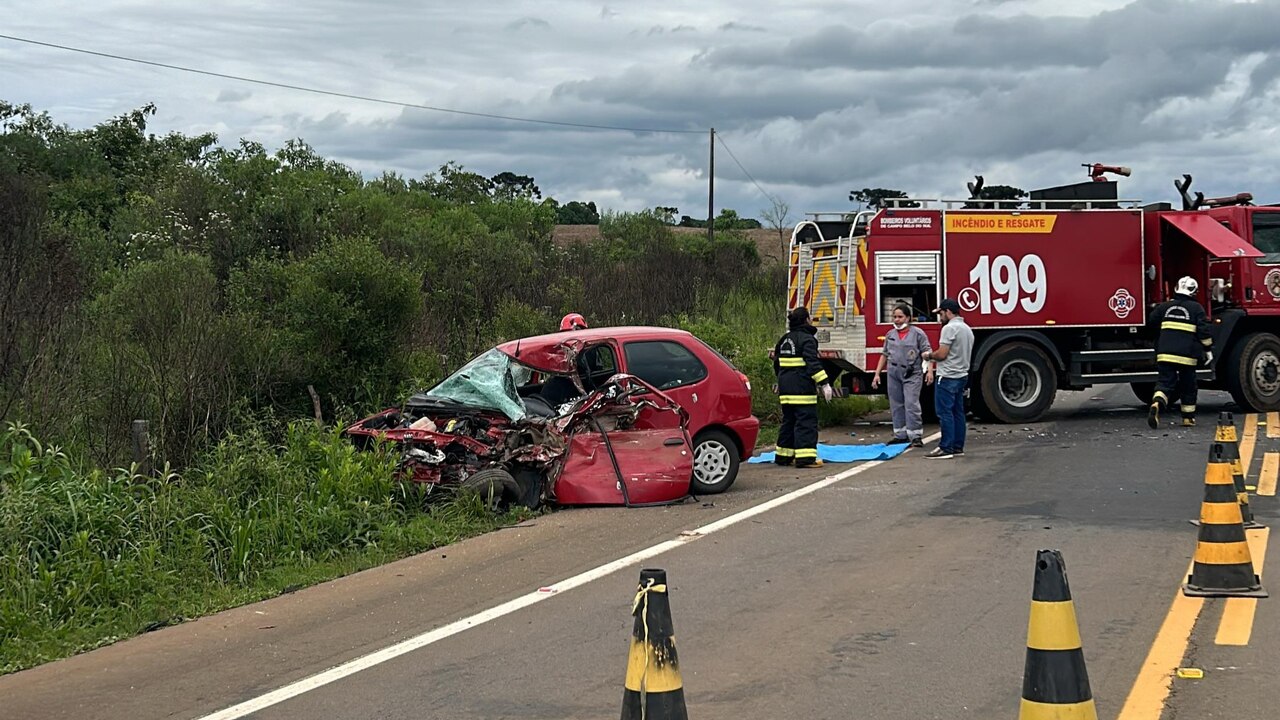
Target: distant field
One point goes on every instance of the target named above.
(766, 240)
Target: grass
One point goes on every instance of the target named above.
(89, 557)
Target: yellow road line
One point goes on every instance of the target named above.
(1267, 478)
(1273, 424)
(1237, 615)
(1248, 439)
(1151, 689)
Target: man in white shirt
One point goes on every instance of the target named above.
(955, 349)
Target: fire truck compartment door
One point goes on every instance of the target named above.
(1209, 234)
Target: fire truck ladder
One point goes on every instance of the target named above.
(1009, 205)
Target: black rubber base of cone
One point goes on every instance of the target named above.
(1260, 592)
(1251, 525)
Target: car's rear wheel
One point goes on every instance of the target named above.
(715, 463)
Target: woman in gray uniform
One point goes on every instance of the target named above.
(904, 347)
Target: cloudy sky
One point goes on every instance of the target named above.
(814, 98)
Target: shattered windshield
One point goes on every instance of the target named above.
(489, 381)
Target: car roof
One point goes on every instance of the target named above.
(630, 332)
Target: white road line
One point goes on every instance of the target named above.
(390, 652)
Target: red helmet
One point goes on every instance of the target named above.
(573, 321)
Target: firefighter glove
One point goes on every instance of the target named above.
(1208, 357)
(827, 392)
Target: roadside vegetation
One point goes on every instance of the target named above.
(246, 304)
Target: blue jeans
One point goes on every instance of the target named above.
(948, 401)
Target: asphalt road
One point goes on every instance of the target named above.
(901, 591)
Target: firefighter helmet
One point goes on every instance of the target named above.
(1187, 285)
(573, 321)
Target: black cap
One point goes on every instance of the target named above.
(798, 317)
(948, 304)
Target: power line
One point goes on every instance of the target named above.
(764, 192)
(349, 96)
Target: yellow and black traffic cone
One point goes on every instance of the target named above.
(1054, 684)
(1226, 434)
(1223, 566)
(654, 690)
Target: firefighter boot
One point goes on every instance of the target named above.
(1153, 413)
(1188, 421)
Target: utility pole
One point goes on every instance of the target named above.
(711, 191)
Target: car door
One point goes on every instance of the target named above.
(676, 371)
(628, 445)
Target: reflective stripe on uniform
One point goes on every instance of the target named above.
(1175, 325)
(791, 362)
(1189, 409)
(804, 453)
(820, 376)
(1206, 342)
(1176, 359)
(784, 452)
(798, 399)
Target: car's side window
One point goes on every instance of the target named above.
(596, 365)
(663, 364)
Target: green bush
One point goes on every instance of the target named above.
(88, 556)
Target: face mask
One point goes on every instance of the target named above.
(899, 326)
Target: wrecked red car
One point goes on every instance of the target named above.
(612, 416)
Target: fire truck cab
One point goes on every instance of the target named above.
(1057, 289)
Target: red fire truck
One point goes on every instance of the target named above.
(1056, 288)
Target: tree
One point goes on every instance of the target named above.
(457, 185)
(730, 220)
(667, 213)
(777, 217)
(874, 197)
(509, 186)
(577, 213)
(1002, 192)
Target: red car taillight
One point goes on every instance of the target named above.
(745, 380)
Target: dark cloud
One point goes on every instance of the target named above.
(529, 22)
(916, 94)
(1023, 42)
(740, 27)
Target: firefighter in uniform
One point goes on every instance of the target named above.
(800, 378)
(1185, 341)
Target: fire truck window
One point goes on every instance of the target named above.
(907, 278)
(1266, 235)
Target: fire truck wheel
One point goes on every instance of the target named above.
(1253, 373)
(1143, 391)
(1017, 383)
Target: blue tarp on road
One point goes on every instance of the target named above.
(847, 453)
